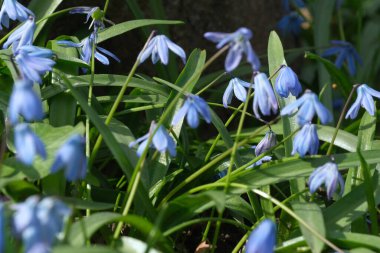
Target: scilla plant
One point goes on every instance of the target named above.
(146, 164)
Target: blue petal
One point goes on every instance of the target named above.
(227, 96)
(240, 91)
(233, 58)
(160, 141)
(163, 50)
(177, 50)
(192, 117)
(181, 113)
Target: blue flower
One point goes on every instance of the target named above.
(298, 4)
(161, 141)
(308, 104)
(72, 158)
(345, 52)
(23, 35)
(24, 101)
(264, 98)
(11, 9)
(34, 62)
(306, 141)
(159, 47)
(237, 86)
(27, 144)
(290, 24)
(287, 81)
(39, 222)
(239, 44)
(263, 238)
(193, 106)
(365, 100)
(329, 175)
(95, 12)
(86, 49)
(266, 143)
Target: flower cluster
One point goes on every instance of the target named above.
(33, 63)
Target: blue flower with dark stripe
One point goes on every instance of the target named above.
(345, 53)
(263, 238)
(264, 99)
(71, 158)
(193, 107)
(11, 9)
(306, 141)
(365, 100)
(287, 82)
(161, 141)
(266, 143)
(28, 144)
(329, 175)
(34, 62)
(308, 105)
(236, 87)
(158, 47)
(22, 36)
(25, 102)
(239, 45)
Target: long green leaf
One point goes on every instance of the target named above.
(41, 9)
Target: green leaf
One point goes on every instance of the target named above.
(20, 190)
(53, 137)
(311, 213)
(133, 245)
(126, 26)
(344, 139)
(92, 249)
(86, 204)
(41, 9)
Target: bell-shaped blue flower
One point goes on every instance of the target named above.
(27, 144)
(192, 108)
(86, 49)
(11, 9)
(290, 24)
(306, 141)
(266, 143)
(236, 86)
(23, 35)
(161, 141)
(239, 45)
(345, 52)
(39, 222)
(287, 82)
(34, 62)
(329, 175)
(264, 98)
(308, 105)
(25, 102)
(71, 158)
(262, 239)
(364, 99)
(159, 47)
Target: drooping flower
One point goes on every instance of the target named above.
(71, 158)
(39, 222)
(27, 144)
(25, 102)
(86, 49)
(365, 100)
(306, 141)
(22, 36)
(287, 82)
(345, 52)
(308, 105)
(291, 24)
(11, 9)
(34, 62)
(159, 47)
(263, 238)
(264, 98)
(237, 86)
(239, 44)
(266, 143)
(95, 13)
(192, 108)
(161, 141)
(329, 175)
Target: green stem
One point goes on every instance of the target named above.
(340, 24)
(210, 84)
(106, 7)
(118, 100)
(329, 151)
(215, 56)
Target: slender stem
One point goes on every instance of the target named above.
(341, 118)
(106, 7)
(340, 24)
(299, 219)
(210, 84)
(215, 56)
(118, 100)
